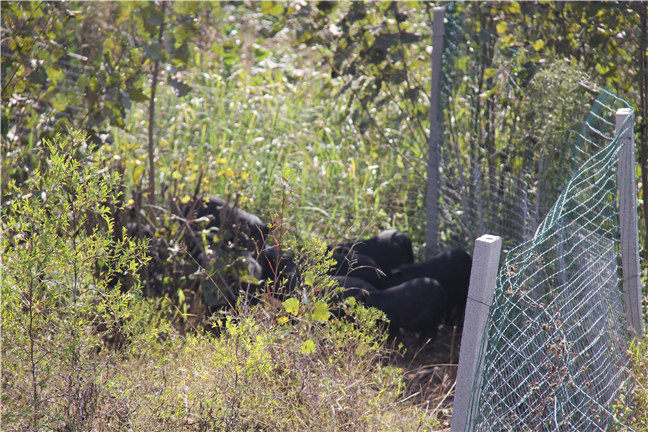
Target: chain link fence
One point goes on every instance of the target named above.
(509, 143)
(553, 355)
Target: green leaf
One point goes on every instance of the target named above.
(320, 311)
(181, 296)
(309, 279)
(271, 8)
(181, 53)
(154, 51)
(155, 18)
(55, 75)
(308, 347)
(59, 102)
(136, 94)
(260, 54)
(292, 306)
(490, 73)
(125, 99)
(512, 7)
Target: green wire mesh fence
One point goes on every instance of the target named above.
(554, 354)
(504, 159)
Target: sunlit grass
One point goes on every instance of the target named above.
(257, 376)
(255, 143)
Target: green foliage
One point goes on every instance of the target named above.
(63, 309)
(260, 373)
(236, 139)
(634, 412)
(81, 65)
(317, 109)
(80, 351)
(378, 51)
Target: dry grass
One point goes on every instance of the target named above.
(260, 375)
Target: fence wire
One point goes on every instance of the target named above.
(554, 351)
(496, 177)
(555, 347)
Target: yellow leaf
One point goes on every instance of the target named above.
(309, 279)
(185, 199)
(137, 173)
(271, 8)
(320, 312)
(227, 172)
(538, 45)
(176, 175)
(282, 320)
(308, 347)
(221, 161)
(292, 306)
(513, 7)
(502, 27)
(490, 72)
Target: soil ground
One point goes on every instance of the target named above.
(430, 369)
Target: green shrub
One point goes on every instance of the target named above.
(63, 310)
(266, 373)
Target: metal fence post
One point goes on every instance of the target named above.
(433, 184)
(628, 220)
(483, 276)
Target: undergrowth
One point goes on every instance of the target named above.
(81, 351)
(262, 375)
(634, 412)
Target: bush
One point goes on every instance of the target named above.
(265, 373)
(63, 311)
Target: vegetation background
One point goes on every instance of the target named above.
(312, 115)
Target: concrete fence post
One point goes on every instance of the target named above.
(628, 220)
(483, 277)
(433, 184)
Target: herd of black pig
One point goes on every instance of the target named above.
(379, 271)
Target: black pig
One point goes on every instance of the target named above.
(389, 249)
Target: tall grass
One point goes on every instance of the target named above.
(252, 141)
